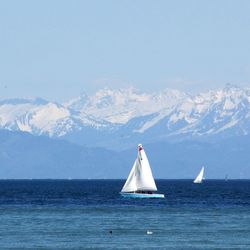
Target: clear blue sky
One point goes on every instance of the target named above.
(58, 49)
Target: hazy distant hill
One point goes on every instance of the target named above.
(26, 156)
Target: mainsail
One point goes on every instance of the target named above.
(140, 177)
(200, 176)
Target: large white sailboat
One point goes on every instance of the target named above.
(200, 176)
(140, 182)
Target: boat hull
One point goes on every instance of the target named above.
(139, 195)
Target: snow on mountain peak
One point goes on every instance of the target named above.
(32, 115)
(119, 106)
(174, 111)
(77, 103)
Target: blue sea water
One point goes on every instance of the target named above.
(80, 214)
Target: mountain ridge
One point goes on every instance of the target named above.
(110, 114)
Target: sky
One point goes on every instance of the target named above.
(59, 49)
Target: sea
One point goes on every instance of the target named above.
(90, 214)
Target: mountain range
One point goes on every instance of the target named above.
(116, 119)
(96, 136)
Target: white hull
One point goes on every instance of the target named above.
(197, 182)
(140, 195)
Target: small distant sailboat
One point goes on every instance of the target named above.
(140, 182)
(200, 176)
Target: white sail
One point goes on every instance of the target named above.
(200, 176)
(140, 177)
(130, 184)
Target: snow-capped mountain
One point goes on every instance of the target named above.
(40, 117)
(120, 106)
(224, 112)
(128, 113)
(213, 112)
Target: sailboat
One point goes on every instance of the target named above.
(200, 176)
(140, 182)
